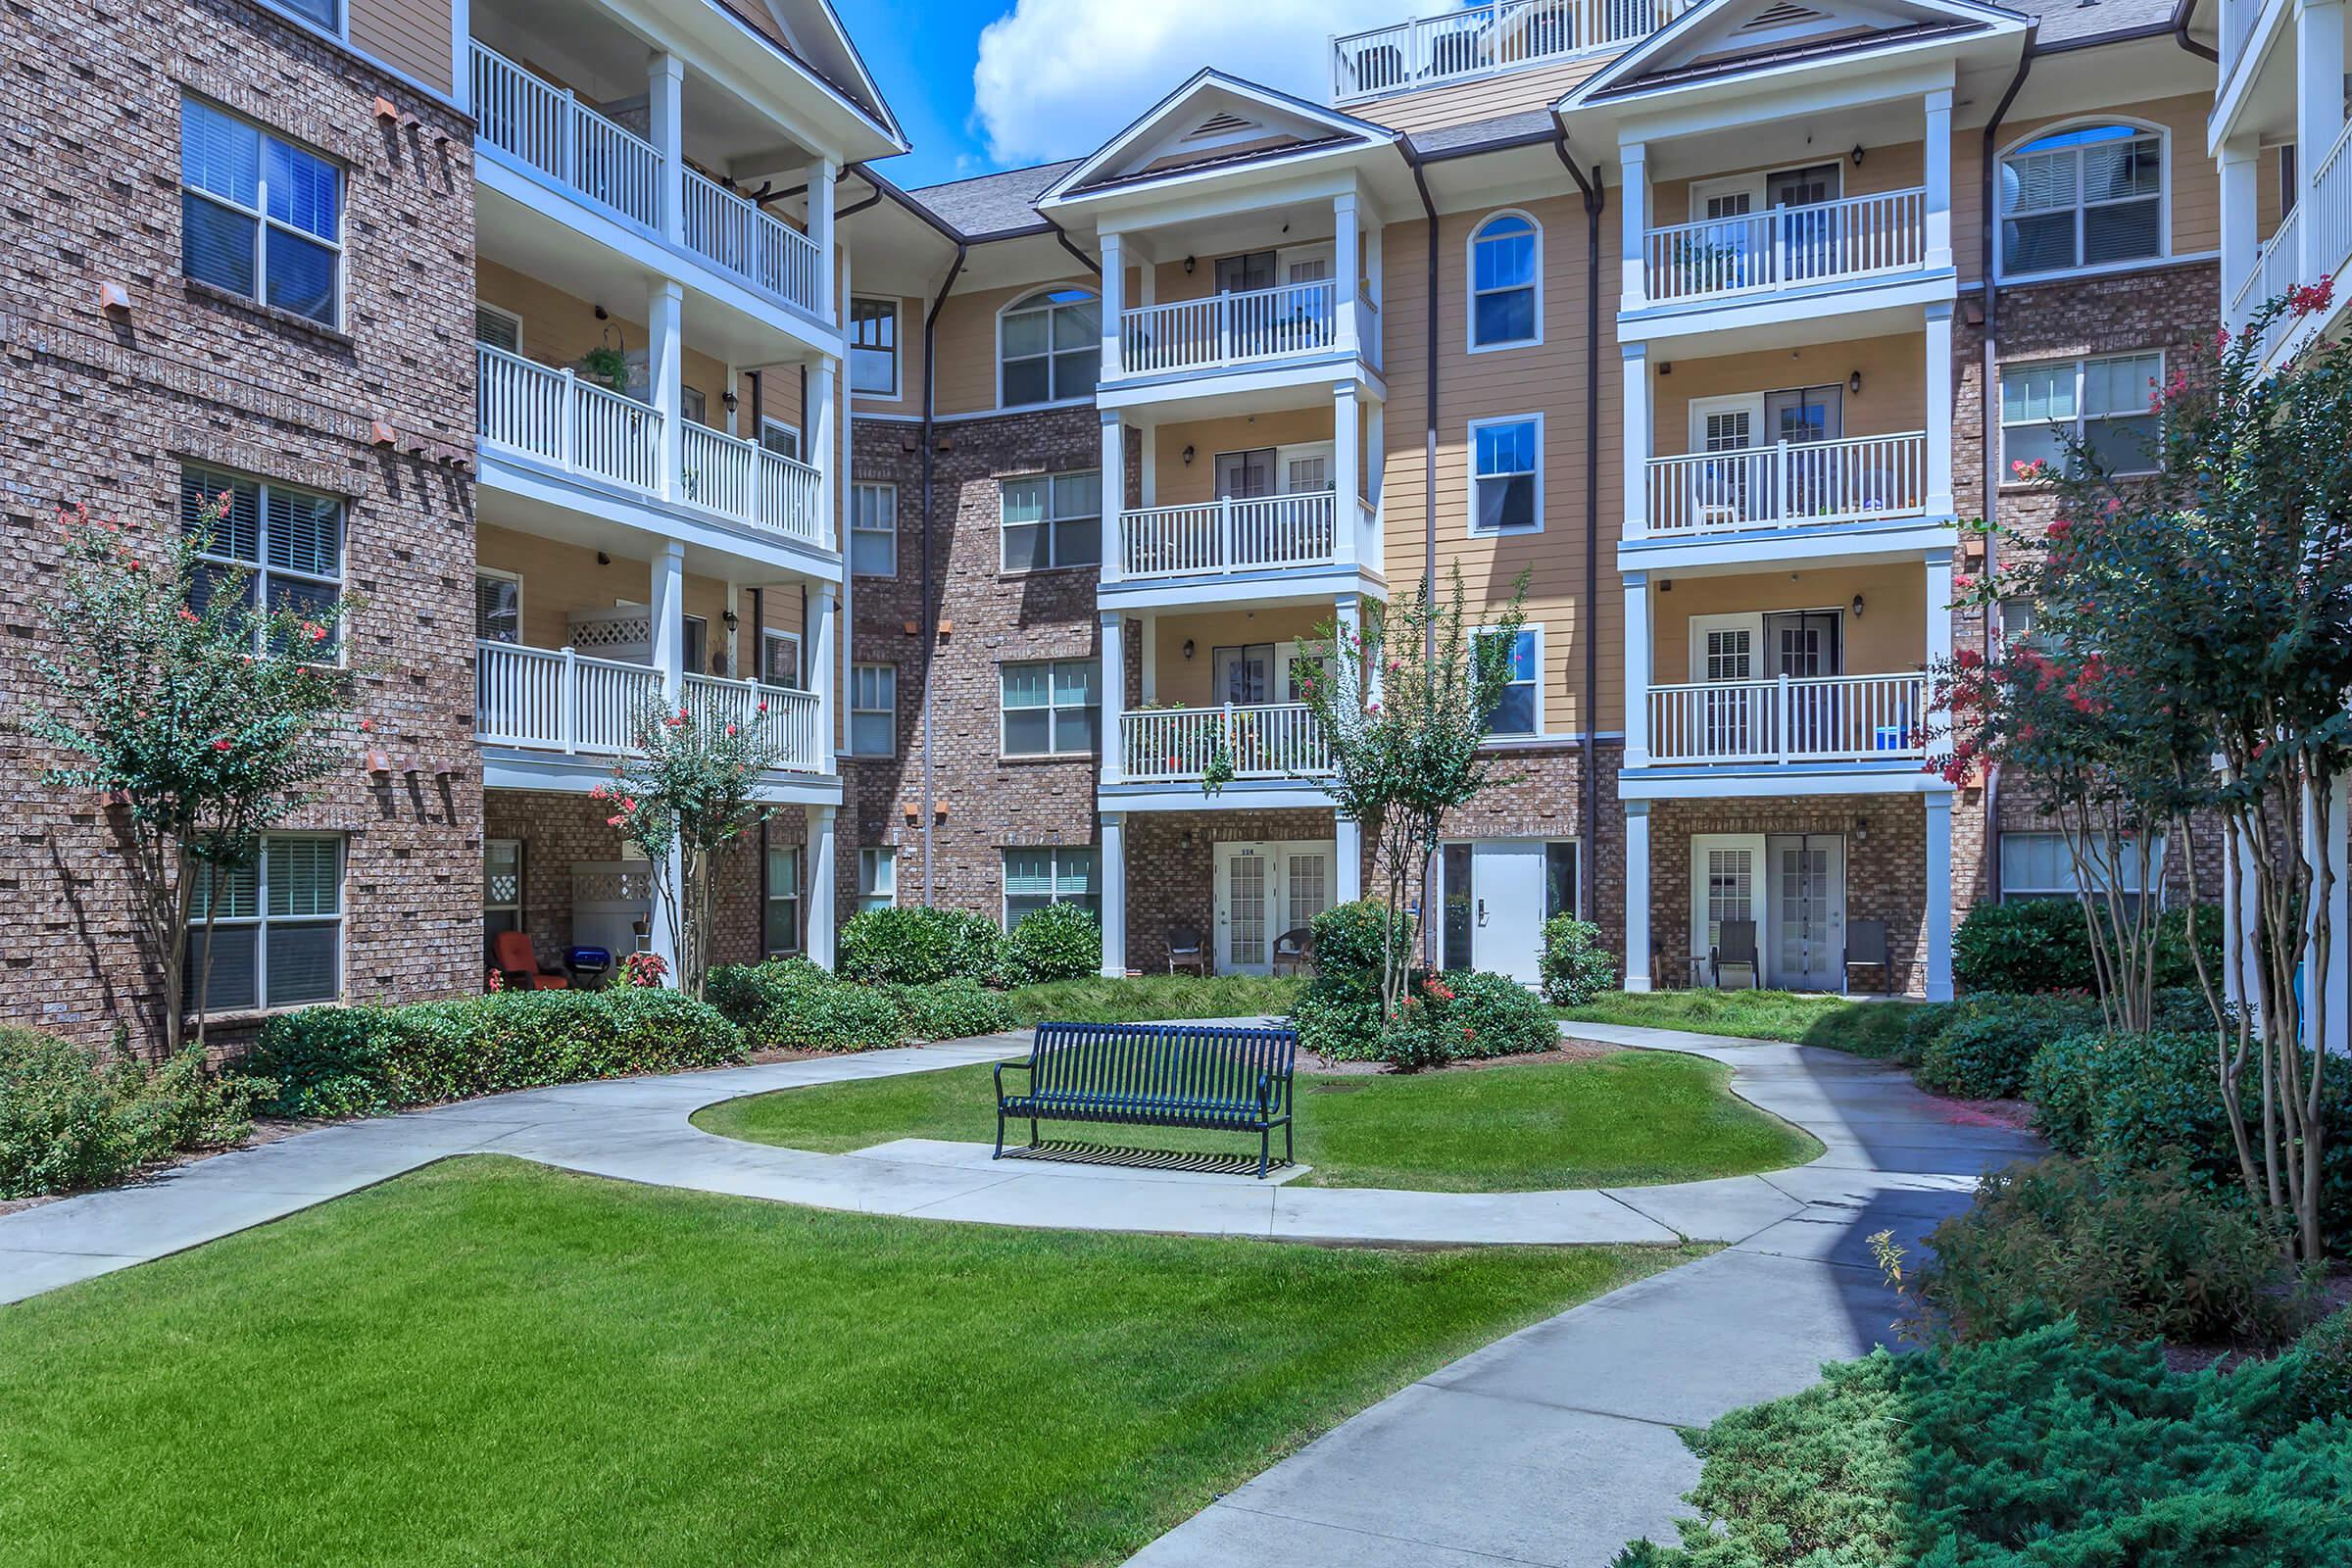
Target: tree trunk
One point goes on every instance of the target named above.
(176, 952)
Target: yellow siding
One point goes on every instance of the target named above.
(1179, 485)
(1191, 682)
(1888, 638)
(2194, 184)
(412, 34)
(559, 578)
(968, 342)
(1893, 398)
(559, 328)
(1899, 167)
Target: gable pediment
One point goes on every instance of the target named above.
(1213, 119)
(1722, 37)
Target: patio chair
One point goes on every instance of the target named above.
(1735, 949)
(1186, 950)
(1866, 945)
(1293, 951)
(520, 967)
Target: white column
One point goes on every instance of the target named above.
(1348, 610)
(1939, 895)
(1346, 471)
(821, 659)
(1940, 629)
(1635, 445)
(821, 174)
(1939, 410)
(1114, 492)
(1151, 636)
(1114, 300)
(2241, 235)
(665, 371)
(1637, 669)
(1113, 862)
(822, 439)
(1633, 206)
(666, 634)
(1637, 895)
(818, 894)
(665, 128)
(1346, 267)
(1940, 177)
(1115, 696)
(1347, 849)
(2319, 118)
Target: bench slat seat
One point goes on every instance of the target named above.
(1213, 1077)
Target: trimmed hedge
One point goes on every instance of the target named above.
(792, 1005)
(1576, 967)
(1981, 1047)
(69, 1120)
(911, 944)
(1059, 941)
(2039, 944)
(952, 1009)
(356, 1060)
(1348, 939)
(2324, 1369)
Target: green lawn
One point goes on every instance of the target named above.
(1149, 998)
(1633, 1117)
(487, 1362)
(1807, 1018)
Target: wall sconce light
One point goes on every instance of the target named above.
(603, 559)
(1188, 264)
(1861, 831)
(1857, 155)
(730, 617)
(1857, 607)
(1853, 383)
(730, 400)
(1188, 456)
(1188, 648)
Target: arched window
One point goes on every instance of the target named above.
(1050, 348)
(1506, 306)
(2083, 196)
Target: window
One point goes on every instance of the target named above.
(877, 879)
(2039, 865)
(287, 545)
(695, 404)
(1731, 875)
(1051, 519)
(259, 217)
(1050, 708)
(502, 885)
(1519, 712)
(497, 606)
(784, 440)
(1034, 878)
(2106, 402)
(1560, 886)
(873, 709)
(1505, 303)
(784, 899)
(496, 326)
(1506, 474)
(874, 530)
(1050, 348)
(277, 928)
(2084, 197)
(874, 347)
(2019, 617)
(780, 660)
(322, 12)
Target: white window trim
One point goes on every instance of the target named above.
(1471, 477)
(1054, 853)
(1750, 402)
(482, 306)
(2163, 202)
(260, 921)
(1052, 481)
(793, 430)
(1014, 308)
(1534, 628)
(890, 532)
(338, 29)
(1470, 289)
(2081, 363)
(898, 364)
(871, 861)
(1759, 892)
(1050, 708)
(515, 577)
(798, 898)
(856, 710)
(768, 634)
(333, 321)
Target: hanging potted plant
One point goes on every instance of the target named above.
(607, 367)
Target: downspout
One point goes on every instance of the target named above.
(1061, 237)
(1987, 412)
(1430, 900)
(2181, 35)
(1596, 198)
(930, 619)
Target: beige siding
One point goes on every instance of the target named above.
(967, 343)
(1191, 682)
(1893, 398)
(1899, 167)
(559, 578)
(1888, 637)
(412, 34)
(1484, 98)
(1178, 483)
(910, 400)
(2196, 186)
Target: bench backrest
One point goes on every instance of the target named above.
(1163, 1063)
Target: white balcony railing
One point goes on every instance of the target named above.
(1789, 485)
(1263, 740)
(557, 700)
(2237, 24)
(1819, 242)
(738, 237)
(1841, 719)
(560, 418)
(1229, 535)
(1260, 324)
(1482, 40)
(744, 480)
(2331, 208)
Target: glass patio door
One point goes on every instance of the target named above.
(1806, 942)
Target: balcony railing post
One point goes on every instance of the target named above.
(1787, 717)
(568, 701)
(567, 405)
(1784, 488)
(1225, 555)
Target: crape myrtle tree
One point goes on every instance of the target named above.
(1403, 714)
(2192, 659)
(686, 796)
(205, 716)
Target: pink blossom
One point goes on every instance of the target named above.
(730, 729)
(366, 724)
(220, 744)
(187, 615)
(615, 821)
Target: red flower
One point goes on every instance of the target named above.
(730, 729)
(314, 631)
(220, 744)
(366, 724)
(187, 615)
(615, 821)
(2312, 298)
(763, 707)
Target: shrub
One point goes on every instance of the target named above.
(2042, 944)
(1348, 939)
(336, 1061)
(915, 946)
(2045, 1448)
(1984, 1045)
(2128, 1253)
(1576, 967)
(952, 1009)
(2322, 1370)
(792, 1005)
(1338, 1020)
(1466, 1015)
(1059, 941)
(69, 1120)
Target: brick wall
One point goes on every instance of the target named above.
(103, 409)
(1171, 869)
(1544, 799)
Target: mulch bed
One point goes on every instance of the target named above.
(1566, 1051)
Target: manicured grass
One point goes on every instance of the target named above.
(1807, 1018)
(1633, 1117)
(487, 1362)
(1146, 999)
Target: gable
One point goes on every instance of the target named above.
(1723, 37)
(1212, 119)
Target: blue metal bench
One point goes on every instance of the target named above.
(1156, 1075)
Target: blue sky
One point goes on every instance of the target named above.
(921, 52)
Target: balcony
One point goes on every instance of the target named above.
(1789, 485)
(561, 701)
(1487, 40)
(1262, 533)
(1222, 330)
(594, 433)
(1262, 741)
(602, 162)
(1853, 238)
(1840, 718)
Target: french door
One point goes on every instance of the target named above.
(1806, 934)
(1263, 890)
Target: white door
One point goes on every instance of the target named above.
(1246, 908)
(1805, 928)
(1507, 909)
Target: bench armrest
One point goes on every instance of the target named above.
(999, 1074)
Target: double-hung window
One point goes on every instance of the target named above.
(1503, 301)
(1034, 878)
(1052, 708)
(2087, 196)
(1517, 711)
(874, 347)
(1051, 519)
(784, 899)
(259, 217)
(877, 878)
(1050, 348)
(1506, 474)
(2104, 403)
(276, 927)
(2042, 865)
(873, 709)
(497, 606)
(874, 529)
(287, 543)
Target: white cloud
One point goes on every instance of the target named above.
(1056, 78)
